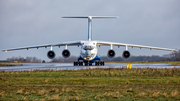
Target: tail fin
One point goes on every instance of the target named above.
(90, 23)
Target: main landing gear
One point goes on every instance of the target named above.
(78, 63)
(97, 63)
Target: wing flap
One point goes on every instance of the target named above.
(45, 46)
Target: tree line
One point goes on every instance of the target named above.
(22, 59)
(173, 56)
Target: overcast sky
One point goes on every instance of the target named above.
(37, 22)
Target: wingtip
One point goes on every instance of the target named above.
(4, 50)
(174, 50)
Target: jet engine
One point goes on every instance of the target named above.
(126, 54)
(65, 53)
(111, 53)
(51, 54)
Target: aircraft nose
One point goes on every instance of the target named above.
(88, 53)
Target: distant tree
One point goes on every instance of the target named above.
(64, 60)
(145, 58)
(43, 61)
(117, 59)
(22, 59)
(105, 58)
(174, 56)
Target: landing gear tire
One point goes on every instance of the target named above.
(78, 63)
(101, 63)
(90, 64)
(75, 63)
(86, 64)
(97, 63)
(81, 63)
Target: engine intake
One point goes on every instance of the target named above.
(126, 54)
(111, 53)
(65, 53)
(51, 54)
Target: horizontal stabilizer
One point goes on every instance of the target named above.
(90, 17)
(74, 17)
(90, 22)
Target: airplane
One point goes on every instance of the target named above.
(89, 51)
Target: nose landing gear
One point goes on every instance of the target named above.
(90, 64)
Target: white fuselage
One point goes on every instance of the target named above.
(88, 50)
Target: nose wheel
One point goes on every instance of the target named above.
(88, 64)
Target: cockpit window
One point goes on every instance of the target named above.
(88, 47)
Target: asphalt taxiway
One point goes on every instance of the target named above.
(69, 66)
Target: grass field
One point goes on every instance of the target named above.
(172, 63)
(169, 62)
(175, 64)
(8, 64)
(92, 84)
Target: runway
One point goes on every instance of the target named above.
(69, 66)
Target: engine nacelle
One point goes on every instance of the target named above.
(65, 53)
(111, 53)
(126, 54)
(51, 54)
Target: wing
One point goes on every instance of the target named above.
(130, 45)
(48, 45)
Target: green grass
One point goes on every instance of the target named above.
(175, 64)
(170, 62)
(93, 84)
(7, 64)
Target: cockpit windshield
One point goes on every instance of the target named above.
(88, 47)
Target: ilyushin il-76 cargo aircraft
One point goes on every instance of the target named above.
(89, 52)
